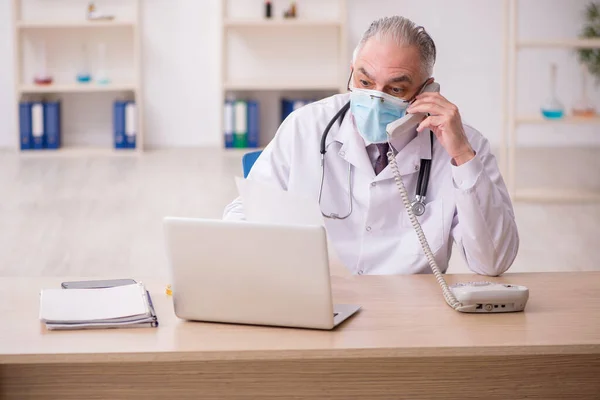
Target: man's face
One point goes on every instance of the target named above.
(386, 67)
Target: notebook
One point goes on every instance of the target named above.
(114, 307)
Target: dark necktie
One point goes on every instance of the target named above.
(382, 160)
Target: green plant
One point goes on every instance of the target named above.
(591, 30)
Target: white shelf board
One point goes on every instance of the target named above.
(240, 151)
(556, 195)
(291, 84)
(280, 23)
(565, 43)
(538, 119)
(73, 24)
(76, 88)
(82, 151)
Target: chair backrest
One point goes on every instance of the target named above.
(248, 161)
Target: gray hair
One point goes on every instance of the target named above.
(405, 33)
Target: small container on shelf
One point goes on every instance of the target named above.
(291, 12)
(553, 108)
(584, 107)
(42, 77)
(268, 9)
(102, 76)
(84, 75)
(94, 15)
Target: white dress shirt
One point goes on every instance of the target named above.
(467, 204)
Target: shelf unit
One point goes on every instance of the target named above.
(23, 87)
(569, 120)
(561, 43)
(271, 28)
(73, 24)
(77, 88)
(274, 85)
(280, 23)
(512, 120)
(80, 152)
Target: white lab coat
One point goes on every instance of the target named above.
(468, 204)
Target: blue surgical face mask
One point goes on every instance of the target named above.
(373, 111)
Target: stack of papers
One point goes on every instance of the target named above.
(271, 205)
(115, 307)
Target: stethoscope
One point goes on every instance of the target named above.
(418, 204)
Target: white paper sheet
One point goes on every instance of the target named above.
(268, 204)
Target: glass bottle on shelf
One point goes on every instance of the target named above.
(584, 107)
(83, 74)
(553, 108)
(41, 76)
(102, 77)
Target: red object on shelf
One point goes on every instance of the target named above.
(46, 80)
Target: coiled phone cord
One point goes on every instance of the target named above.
(448, 295)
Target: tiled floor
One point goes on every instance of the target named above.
(102, 215)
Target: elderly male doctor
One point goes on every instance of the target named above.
(466, 201)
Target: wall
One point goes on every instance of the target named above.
(8, 137)
(181, 42)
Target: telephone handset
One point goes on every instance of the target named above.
(472, 297)
(408, 123)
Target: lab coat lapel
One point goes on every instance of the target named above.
(353, 148)
(409, 158)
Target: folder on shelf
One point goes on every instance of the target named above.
(119, 125)
(240, 133)
(37, 126)
(287, 106)
(52, 124)
(130, 125)
(25, 133)
(253, 124)
(228, 123)
(115, 307)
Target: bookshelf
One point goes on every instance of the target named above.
(80, 152)
(268, 59)
(62, 26)
(560, 43)
(513, 45)
(279, 23)
(66, 24)
(568, 120)
(280, 85)
(77, 88)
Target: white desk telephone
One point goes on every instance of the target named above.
(472, 297)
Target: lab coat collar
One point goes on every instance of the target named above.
(354, 150)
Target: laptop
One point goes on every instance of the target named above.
(251, 273)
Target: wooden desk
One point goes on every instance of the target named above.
(405, 344)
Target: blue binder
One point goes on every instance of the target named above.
(26, 138)
(287, 106)
(52, 124)
(253, 124)
(119, 125)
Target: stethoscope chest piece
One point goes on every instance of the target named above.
(418, 206)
